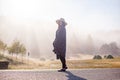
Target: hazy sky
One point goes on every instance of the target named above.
(85, 15)
(33, 22)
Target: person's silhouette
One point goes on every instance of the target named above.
(71, 76)
(59, 43)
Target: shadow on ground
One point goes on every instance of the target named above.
(71, 76)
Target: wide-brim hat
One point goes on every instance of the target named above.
(61, 19)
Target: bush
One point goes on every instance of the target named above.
(109, 57)
(1, 56)
(97, 57)
(4, 64)
(105, 56)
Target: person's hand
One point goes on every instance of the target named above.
(54, 51)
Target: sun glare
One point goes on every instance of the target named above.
(27, 8)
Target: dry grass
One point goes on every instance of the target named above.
(78, 64)
(72, 64)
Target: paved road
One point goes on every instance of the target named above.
(81, 74)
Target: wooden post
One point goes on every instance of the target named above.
(28, 57)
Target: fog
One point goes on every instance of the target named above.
(91, 23)
(38, 37)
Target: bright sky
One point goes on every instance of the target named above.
(89, 15)
(81, 15)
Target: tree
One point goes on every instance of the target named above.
(17, 48)
(111, 48)
(114, 48)
(105, 49)
(14, 48)
(10, 50)
(2, 46)
(22, 50)
(90, 48)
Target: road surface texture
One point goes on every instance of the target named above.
(81, 74)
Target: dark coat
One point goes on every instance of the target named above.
(60, 42)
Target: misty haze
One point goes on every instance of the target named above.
(91, 30)
(38, 36)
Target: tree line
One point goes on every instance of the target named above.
(111, 48)
(15, 48)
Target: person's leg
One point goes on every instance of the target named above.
(63, 61)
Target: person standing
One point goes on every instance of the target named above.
(59, 43)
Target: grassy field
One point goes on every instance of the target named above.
(79, 64)
(72, 64)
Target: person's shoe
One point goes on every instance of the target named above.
(62, 70)
(66, 67)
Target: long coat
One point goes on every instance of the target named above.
(59, 43)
